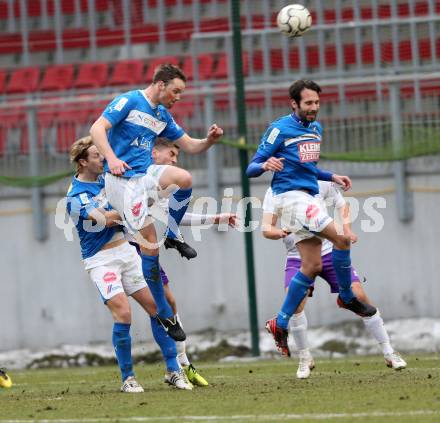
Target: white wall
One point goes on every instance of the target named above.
(47, 298)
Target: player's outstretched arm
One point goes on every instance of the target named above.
(194, 219)
(343, 181)
(98, 132)
(269, 228)
(196, 145)
(106, 218)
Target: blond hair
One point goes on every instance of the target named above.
(79, 150)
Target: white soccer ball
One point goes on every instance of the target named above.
(294, 20)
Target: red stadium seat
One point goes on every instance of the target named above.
(91, 75)
(42, 40)
(10, 43)
(349, 54)
(109, 37)
(127, 72)
(222, 69)
(214, 24)
(154, 63)
(23, 80)
(367, 53)
(312, 56)
(405, 52)
(58, 77)
(205, 66)
(3, 75)
(178, 31)
(147, 33)
(425, 48)
(76, 38)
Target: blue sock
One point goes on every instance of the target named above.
(167, 345)
(342, 264)
(295, 294)
(150, 269)
(178, 206)
(122, 342)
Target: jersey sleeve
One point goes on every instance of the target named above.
(268, 204)
(270, 142)
(172, 131)
(118, 109)
(81, 205)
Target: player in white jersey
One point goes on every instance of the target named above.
(165, 153)
(113, 265)
(332, 197)
(125, 135)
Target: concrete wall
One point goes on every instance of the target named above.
(47, 298)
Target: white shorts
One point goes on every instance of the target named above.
(130, 196)
(301, 213)
(116, 270)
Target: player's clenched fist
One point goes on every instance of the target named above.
(214, 133)
(273, 164)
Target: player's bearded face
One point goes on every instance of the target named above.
(170, 93)
(308, 107)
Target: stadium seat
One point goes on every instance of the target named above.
(222, 69)
(367, 53)
(405, 52)
(127, 72)
(178, 31)
(58, 77)
(214, 24)
(106, 37)
(3, 75)
(205, 66)
(154, 63)
(91, 75)
(76, 38)
(10, 43)
(23, 80)
(42, 40)
(349, 52)
(147, 33)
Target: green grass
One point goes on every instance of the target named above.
(262, 388)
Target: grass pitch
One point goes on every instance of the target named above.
(359, 389)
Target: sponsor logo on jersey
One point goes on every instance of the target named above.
(136, 209)
(147, 121)
(109, 277)
(309, 151)
(119, 105)
(273, 135)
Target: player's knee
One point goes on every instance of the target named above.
(342, 242)
(312, 268)
(122, 314)
(185, 179)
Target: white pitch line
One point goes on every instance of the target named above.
(251, 417)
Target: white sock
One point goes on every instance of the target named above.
(181, 350)
(376, 328)
(299, 330)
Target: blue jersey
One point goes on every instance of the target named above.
(299, 145)
(135, 126)
(82, 199)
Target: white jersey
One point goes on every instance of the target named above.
(330, 193)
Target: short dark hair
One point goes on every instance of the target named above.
(167, 72)
(165, 143)
(296, 88)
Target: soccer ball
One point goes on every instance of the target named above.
(294, 20)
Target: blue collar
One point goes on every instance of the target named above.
(305, 123)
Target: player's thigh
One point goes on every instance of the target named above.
(147, 240)
(107, 279)
(144, 298)
(310, 250)
(338, 239)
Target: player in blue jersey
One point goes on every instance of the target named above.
(290, 148)
(374, 324)
(125, 135)
(113, 264)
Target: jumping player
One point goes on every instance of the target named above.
(290, 148)
(125, 135)
(374, 324)
(165, 153)
(113, 264)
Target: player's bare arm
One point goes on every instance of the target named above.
(343, 181)
(98, 132)
(107, 218)
(196, 145)
(269, 228)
